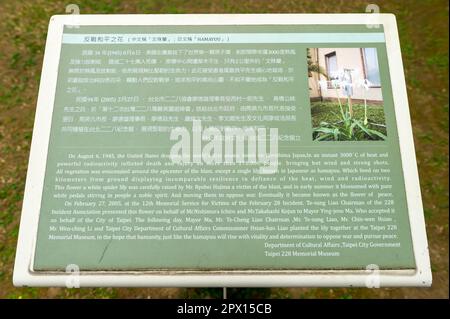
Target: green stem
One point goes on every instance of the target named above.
(365, 108)
(350, 106)
(339, 100)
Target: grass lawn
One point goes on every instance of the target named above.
(423, 30)
(329, 112)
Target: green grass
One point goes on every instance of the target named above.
(326, 116)
(329, 112)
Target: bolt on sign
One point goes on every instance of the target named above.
(222, 150)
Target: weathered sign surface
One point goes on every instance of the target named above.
(224, 148)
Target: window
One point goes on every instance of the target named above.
(371, 70)
(331, 63)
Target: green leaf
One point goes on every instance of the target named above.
(336, 134)
(361, 126)
(324, 130)
(323, 137)
(379, 134)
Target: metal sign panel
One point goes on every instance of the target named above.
(222, 150)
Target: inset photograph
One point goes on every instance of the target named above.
(345, 94)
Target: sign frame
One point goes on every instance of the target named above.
(24, 275)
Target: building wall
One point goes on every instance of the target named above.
(347, 58)
(314, 88)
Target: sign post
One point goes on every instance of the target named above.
(206, 150)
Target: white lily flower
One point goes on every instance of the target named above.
(364, 83)
(323, 85)
(340, 74)
(335, 83)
